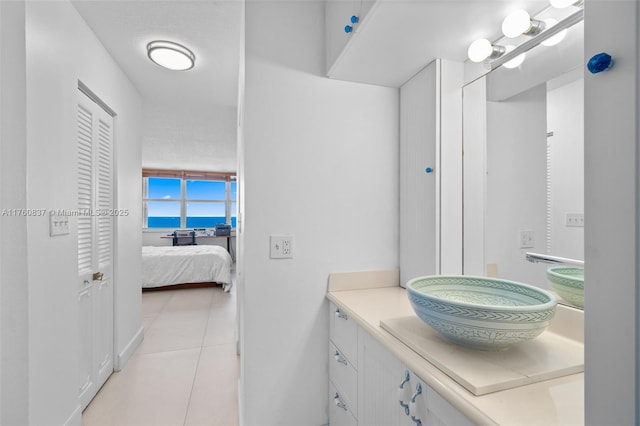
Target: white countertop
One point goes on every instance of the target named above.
(552, 402)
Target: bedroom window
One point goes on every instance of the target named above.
(175, 199)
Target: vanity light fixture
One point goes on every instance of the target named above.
(520, 22)
(515, 62)
(552, 41)
(561, 4)
(482, 49)
(171, 55)
(494, 56)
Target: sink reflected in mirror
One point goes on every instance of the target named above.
(568, 282)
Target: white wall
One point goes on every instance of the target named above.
(565, 118)
(320, 162)
(13, 242)
(516, 185)
(60, 50)
(189, 137)
(612, 215)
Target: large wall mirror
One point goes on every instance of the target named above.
(524, 164)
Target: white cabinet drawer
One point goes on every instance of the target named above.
(343, 332)
(339, 412)
(344, 376)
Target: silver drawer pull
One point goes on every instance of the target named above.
(339, 358)
(339, 402)
(341, 315)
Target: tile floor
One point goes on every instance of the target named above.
(185, 372)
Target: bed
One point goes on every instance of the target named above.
(169, 266)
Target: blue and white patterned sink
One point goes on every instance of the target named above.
(568, 282)
(480, 312)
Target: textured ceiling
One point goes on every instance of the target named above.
(211, 29)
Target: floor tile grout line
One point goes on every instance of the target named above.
(195, 374)
(161, 310)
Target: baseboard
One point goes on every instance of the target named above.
(76, 417)
(128, 351)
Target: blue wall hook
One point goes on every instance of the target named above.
(600, 62)
(354, 19)
(428, 170)
(348, 29)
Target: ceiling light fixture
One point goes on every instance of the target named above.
(171, 55)
(482, 49)
(520, 22)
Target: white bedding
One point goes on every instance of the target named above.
(162, 266)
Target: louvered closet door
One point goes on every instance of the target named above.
(95, 246)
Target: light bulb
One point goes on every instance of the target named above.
(516, 23)
(480, 50)
(552, 41)
(515, 62)
(561, 4)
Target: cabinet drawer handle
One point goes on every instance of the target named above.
(339, 402)
(401, 393)
(406, 379)
(341, 315)
(413, 405)
(339, 358)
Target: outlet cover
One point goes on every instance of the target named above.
(281, 246)
(525, 238)
(574, 220)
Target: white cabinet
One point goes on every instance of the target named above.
(343, 373)
(423, 406)
(337, 16)
(431, 171)
(378, 374)
(370, 386)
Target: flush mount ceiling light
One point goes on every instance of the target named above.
(520, 22)
(171, 55)
(482, 49)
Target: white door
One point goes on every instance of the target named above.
(95, 246)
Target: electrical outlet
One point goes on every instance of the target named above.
(281, 246)
(525, 238)
(574, 220)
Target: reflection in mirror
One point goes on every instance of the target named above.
(523, 165)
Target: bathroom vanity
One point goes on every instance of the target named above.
(374, 378)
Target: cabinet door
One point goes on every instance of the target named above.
(419, 175)
(378, 373)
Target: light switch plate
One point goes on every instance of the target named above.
(58, 225)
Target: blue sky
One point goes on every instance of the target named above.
(169, 189)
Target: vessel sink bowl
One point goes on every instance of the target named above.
(480, 312)
(568, 282)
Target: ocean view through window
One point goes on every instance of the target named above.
(173, 199)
